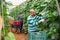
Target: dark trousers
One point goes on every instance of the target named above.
(18, 27)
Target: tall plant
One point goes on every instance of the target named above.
(46, 8)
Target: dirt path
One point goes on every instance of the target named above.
(21, 36)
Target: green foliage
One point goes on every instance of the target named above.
(46, 8)
(0, 8)
(4, 31)
(3, 10)
(9, 36)
(5, 13)
(6, 34)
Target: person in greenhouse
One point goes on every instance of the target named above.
(21, 21)
(33, 20)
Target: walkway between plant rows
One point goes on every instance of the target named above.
(20, 36)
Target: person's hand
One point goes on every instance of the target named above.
(42, 20)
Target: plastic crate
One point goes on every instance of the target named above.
(37, 35)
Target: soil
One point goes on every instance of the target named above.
(20, 36)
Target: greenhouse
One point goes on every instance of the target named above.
(29, 19)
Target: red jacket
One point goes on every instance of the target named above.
(17, 23)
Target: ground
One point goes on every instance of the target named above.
(20, 36)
